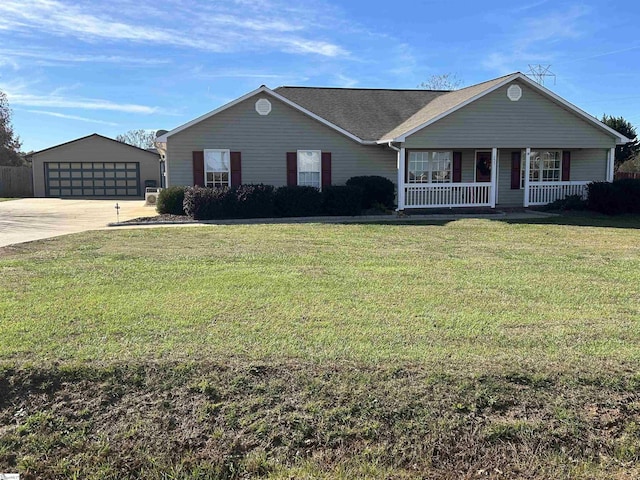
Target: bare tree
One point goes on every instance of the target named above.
(138, 138)
(9, 142)
(444, 81)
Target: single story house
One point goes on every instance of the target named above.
(94, 167)
(508, 141)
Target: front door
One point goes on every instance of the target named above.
(483, 166)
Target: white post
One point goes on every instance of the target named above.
(527, 167)
(494, 176)
(611, 161)
(401, 177)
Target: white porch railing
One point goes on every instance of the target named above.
(541, 193)
(444, 195)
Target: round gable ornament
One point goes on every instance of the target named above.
(514, 92)
(263, 106)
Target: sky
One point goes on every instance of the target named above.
(74, 67)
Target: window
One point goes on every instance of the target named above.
(429, 167)
(216, 168)
(309, 164)
(546, 166)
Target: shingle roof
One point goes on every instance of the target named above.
(366, 113)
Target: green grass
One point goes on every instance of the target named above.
(467, 293)
(452, 350)
(7, 199)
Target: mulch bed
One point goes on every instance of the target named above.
(164, 218)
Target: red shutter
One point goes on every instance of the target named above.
(516, 159)
(198, 168)
(292, 169)
(406, 166)
(236, 169)
(326, 169)
(457, 167)
(566, 165)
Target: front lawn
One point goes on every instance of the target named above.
(326, 350)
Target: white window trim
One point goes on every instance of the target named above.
(541, 169)
(228, 153)
(475, 160)
(430, 172)
(319, 152)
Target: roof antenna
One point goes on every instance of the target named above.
(540, 72)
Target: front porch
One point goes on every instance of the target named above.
(521, 177)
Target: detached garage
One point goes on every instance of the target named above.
(94, 167)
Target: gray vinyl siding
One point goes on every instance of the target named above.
(468, 166)
(95, 149)
(265, 140)
(496, 121)
(506, 196)
(589, 165)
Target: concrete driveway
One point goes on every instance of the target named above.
(30, 219)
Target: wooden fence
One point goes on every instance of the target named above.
(16, 182)
(621, 175)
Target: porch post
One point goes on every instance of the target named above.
(611, 161)
(401, 177)
(494, 176)
(527, 168)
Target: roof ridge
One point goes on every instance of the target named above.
(363, 88)
(486, 81)
(94, 134)
(397, 89)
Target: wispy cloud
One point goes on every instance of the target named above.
(555, 26)
(530, 6)
(42, 57)
(208, 30)
(535, 38)
(72, 117)
(30, 100)
(603, 54)
(21, 94)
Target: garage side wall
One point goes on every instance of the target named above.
(264, 140)
(95, 149)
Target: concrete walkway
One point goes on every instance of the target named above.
(31, 219)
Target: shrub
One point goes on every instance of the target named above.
(375, 189)
(297, 201)
(244, 201)
(252, 201)
(570, 202)
(621, 196)
(205, 203)
(629, 189)
(342, 200)
(170, 201)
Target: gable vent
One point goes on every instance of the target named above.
(514, 92)
(263, 106)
